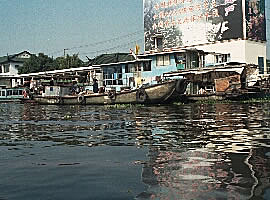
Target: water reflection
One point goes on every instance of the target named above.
(201, 174)
(218, 162)
(218, 151)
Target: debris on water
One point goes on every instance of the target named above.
(139, 162)
(40, 164)
(68, 164)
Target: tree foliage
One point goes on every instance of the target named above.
(42, 62)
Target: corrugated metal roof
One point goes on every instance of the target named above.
(111, 58)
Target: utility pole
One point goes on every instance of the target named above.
(65, 52)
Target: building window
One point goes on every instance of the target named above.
(9, 93)
(129, 68)
(6, 68)
(147, 66)
(113, 75)
(3, 93)
(223, 58)
(109, 82)
(126, 68)
(180, 60)
(163, 60)
(138, 67)
(261, 65)
(15, 92)
(1, 69)
(268, 66)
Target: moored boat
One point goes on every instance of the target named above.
(13, 94)
(234, 81)
(164, 92)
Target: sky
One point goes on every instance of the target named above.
(50, 26)
(86, 27)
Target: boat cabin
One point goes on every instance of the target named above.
(57, 91)
(11, 94)
(218, 80)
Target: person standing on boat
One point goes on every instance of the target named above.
(52, 82)
(95, 86)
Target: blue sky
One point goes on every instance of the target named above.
(50, 26)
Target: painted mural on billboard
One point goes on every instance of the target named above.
(255, 19)
(191, 22)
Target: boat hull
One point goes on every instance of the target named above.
(10, 100)
(239, 95)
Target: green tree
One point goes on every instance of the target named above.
(42, 62)
(36, 64)
(68, 62)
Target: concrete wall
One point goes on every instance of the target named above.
(255, 50)
(236, 48)
(244, 51)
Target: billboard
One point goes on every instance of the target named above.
(191, 22)
(255, 19)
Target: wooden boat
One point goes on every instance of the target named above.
(239, 94)
(153, 94)
(233, 82)
(13, 94)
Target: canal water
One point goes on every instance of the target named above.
(194, 151)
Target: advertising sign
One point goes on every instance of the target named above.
(255, 19)
(191, 22)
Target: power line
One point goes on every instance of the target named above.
(106, 41)
(112, 48)
(121, 37)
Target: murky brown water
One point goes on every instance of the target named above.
(219, 151)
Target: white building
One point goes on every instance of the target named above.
(238, 50)
(9, 66)
(233, 29)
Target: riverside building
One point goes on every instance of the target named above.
(232, 31)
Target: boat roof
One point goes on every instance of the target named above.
(59, 72)
(97, 63)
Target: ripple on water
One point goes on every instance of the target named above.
(194, 151)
